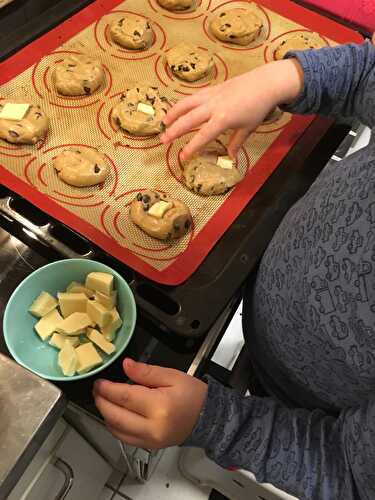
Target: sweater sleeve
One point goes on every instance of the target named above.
(306, 453)
(339, 81)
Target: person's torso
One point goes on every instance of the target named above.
(312, 311)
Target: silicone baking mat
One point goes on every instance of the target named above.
(102, 213)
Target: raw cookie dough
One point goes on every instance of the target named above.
(132, 32)
(29, 130)
(178, 4)
(189, 62)
(126, 116)
(239, 26)
(203, 176)
(300, 41)
(175, 223)
(81, 167)
(273, 116)
(78, 75)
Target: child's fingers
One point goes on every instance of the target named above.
(182, 107)
(186, 123)
(209, 131)
(237, 139)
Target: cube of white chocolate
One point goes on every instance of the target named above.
(100, 282)
(48, 324)
(72, 302)
(88, 357)
(42, 305)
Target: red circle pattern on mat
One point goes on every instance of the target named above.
(238, 4)
(269, 50)
(104, 42)
(43, 85)
(111, 131)
(183, 15)
(274, 126)
(218, 74)
(175, 166)
(35, 174)
(115, 221)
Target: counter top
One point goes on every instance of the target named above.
(29, 408)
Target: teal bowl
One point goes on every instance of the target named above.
(23, 342)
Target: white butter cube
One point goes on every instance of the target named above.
(48, 324)
(98, 339)
(159, 208)
(58, 340)
(14, 111)
(98, 313)
(100, 282)
(224, 162)
(67, 359)
(88, 357)
(43, 305)
(76, 287)
(75, 324)
(110, 330)
(109, 302)
(147, 109)
(72, 302)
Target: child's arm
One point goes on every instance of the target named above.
(306, 453)
(332, 81)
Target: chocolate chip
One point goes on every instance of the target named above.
(117, 121)
(37, 115)
(13, 133)
(96, 169)
(148, 26)
(185, 69)
(154, 88)
(151, 99)
(193, 65)
(232, 36)
(87, 90)
(227, 25)
(222, 14)
(121, 21)
(137, 33)
(146, 208)
(146, 198)
(173, 67)
(72, 65)
(157, 195)
(162, 127)
(139, 197)
(163, 99)
(198, 188)
(176, 226)
(187, 224)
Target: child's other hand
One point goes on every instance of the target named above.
(241, 104)
(159, 410)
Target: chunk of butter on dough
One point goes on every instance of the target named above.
(146, 109)
(72, 302)
(224, 162)
(159, 208)
(100, 282)
(88, 357)
(98, 339)
(14, 111)
(98, 313)
(68, 359)
(75, 324)
(109, 331)
(48, 324)
(42, 305)
(58, 340)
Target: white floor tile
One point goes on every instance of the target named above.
(165, 484)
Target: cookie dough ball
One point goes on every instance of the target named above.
(81, 167)
(138, 120)
(273, 116)
(78, 75)
(29, 130)
(204, 176)
(176, 5)
(160, 216)
(132, 32)
(189, 62)
(239, 26)
(299, 41)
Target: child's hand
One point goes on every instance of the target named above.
(160, 411)
(241, 104)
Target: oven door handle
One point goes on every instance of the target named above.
(68, 475)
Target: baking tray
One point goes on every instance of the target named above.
(102, 214)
